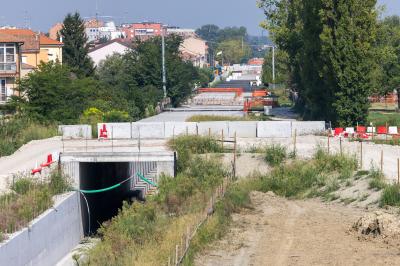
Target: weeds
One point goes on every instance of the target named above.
(377, 179)
(29, 199)
(275, 154)
(342, 164)
(390, 196)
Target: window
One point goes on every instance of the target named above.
(7, 56)
(3, 90)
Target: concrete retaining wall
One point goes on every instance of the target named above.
(150, 130)
(180, 128)
(274, 129)
(214, 127)
(49, 238)
(308, 127)
(116, 130)
(243, 129)
(75, 131)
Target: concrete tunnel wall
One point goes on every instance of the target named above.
(49, 237)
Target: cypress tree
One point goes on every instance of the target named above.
(75, 50)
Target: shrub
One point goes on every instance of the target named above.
(275, 154)
(116, 116)
(342, 164)
(377, 179)
(390, 196)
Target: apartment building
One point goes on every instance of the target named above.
(143, 30)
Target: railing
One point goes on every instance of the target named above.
(8, 67)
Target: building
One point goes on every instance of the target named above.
(256, 62)
(184, 33)
(21, 51)
(102, 51)
(195, 50)
(54, 31)
(10, 64)
(110, 31)
(143, 30)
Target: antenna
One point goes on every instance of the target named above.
(97, 10)
(27, 20)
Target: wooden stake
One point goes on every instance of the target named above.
(176, 254)
(382, 161)
(361, 155)
(209, 132)
(398, 171)
(187, 131)
(294, 142)
(341, 150)
(234, 157)
(222, 140)
(386, 135)
(329, 143)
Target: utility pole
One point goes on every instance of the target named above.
(273, 66)
(164, 78)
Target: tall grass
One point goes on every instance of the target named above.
(28, 199)
(18, 131)
(377, 179)
(275, 154)
(390, 196)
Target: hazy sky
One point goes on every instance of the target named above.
(41, 14)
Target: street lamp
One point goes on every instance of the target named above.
(273, 64)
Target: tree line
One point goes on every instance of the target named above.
(124, 87)
(334, 54)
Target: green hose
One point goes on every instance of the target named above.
(100, 190)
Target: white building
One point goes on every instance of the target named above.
(101, 52)
(195, 50)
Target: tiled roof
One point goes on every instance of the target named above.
(31, 39)
(44, 40)
(4, 37)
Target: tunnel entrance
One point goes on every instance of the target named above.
(104, 205)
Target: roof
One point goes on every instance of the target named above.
(124, 42)
(31, 39)
(27, 66)
(4, 37)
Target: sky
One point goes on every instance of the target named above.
(42, 14)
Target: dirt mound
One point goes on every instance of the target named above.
(378, 223)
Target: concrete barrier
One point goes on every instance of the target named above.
(243, 129)
(75, 131)
(180, 128)
(148, 130)
(274, 129)
(214, 127)
(308, 127)
(49, 238)
(116, 130)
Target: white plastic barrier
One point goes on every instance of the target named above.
(148, 130)
(115, 130)
(308, 127)
(243, 129)
(350, 130)
(371, 130)
(274, 129)
(393, 131)
(75, 131)
(214, 127)
(179, 128)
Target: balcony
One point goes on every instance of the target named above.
(8, 68)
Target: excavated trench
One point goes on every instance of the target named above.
(102, 205)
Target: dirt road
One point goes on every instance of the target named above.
(282, 232)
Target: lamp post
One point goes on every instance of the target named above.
(273, 64)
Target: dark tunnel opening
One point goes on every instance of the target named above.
(103, 205)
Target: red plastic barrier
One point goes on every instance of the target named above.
(338, 131)
(361, 129)
(382, 130)
(103, 132)
(49, 161)
(36, 170)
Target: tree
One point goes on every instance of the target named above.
(281, 71)
(234, 51)
(75, 50)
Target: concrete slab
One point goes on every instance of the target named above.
(214, 127)
(75, 131)
(179, 128)
(148, 130)
(308, 127)
(393, 131)
(274, 129)
(116, 130)
(245, 129)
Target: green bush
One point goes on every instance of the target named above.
(342, 164)
(377, 179)
(275, 154)
(116, 116)
(23, 185)
(390, 196)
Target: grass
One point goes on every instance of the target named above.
(28, 199)
(381, 118)
(283, 99)
(390, 196)
(377, 181)
(18, 131)
(275, 154)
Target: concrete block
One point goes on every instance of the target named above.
(180, 128)
(308, 127)
(371, 130)
(243, 129)
(274, 129)
(215, 128)
(116, 130)
(75, 131)
(393, 131)
(49, 238)
(148, 130)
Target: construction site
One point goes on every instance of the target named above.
(338, 220)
